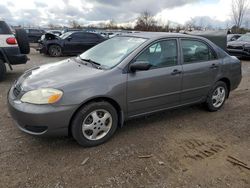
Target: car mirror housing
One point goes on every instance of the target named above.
(139, 66)
(69, 38)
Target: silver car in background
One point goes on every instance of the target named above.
(132, 75)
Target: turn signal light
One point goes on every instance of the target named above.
(54, 98)
(11, 40)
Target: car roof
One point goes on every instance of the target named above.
(155, 35)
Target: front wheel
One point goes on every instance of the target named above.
(94, 124)
(55, 50)
(217, 96)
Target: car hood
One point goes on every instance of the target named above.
(57, 75)
(51, 36)
(237, 43)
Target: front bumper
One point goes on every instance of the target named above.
(239, 52)
(42, 120)
(42, 48)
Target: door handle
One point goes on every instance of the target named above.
(176, 71)
(214, 66)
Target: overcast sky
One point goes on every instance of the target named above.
(43, 12)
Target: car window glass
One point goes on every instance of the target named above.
(109, 53)
(155, 48)
(196, 51)
(4, 28)
(160, 54)
(90, 36)
(245, 38)
(77, 36)
(35, 31)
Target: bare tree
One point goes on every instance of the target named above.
(239, 8)
(74, 24)
(146, 22)
(111, 24)
(190, 24)
(51, 25)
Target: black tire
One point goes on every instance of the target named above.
(83, 113)
(2, 70)
(210, 101)
(55, 50)
(23, 41)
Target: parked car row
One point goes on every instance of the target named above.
(69, 43)
(237, 44)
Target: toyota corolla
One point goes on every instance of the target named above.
(89, 96)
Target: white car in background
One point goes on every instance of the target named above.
(13, 48)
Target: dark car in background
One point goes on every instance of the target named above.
(70, 43)
(240, 47)
(34, 35)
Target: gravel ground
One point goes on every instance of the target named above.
(189, 147)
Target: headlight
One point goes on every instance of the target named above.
(42, 96)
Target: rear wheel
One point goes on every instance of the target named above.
(217, 96)
(2, 70)
(94, 124)
(55, 50)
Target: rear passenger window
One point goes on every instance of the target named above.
(196, 51)
(90, 37)
(4, 28)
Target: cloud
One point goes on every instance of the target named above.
(5, 13)
(128, 10)
(61, 12)
(40, 4)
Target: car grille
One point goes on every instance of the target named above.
(17, 90)
(236, 47)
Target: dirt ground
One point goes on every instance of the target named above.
(189, 147)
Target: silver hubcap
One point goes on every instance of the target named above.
(218, 97)
(97, 124)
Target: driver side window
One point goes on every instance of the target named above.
(160, 54)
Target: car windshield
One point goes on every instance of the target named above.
(111, 52)
(245, 38)
(65, 35)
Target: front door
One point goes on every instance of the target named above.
(159, 87)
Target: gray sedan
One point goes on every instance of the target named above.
(89, 96)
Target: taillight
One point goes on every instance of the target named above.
(11, 40)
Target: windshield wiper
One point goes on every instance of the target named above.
(93, 63)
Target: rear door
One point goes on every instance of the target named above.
(73, 43)
(89, 40)
(200, 68)
(160, 86)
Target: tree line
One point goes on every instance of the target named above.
(146, 22)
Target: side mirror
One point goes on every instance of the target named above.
(139, 66)
(69, 38)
